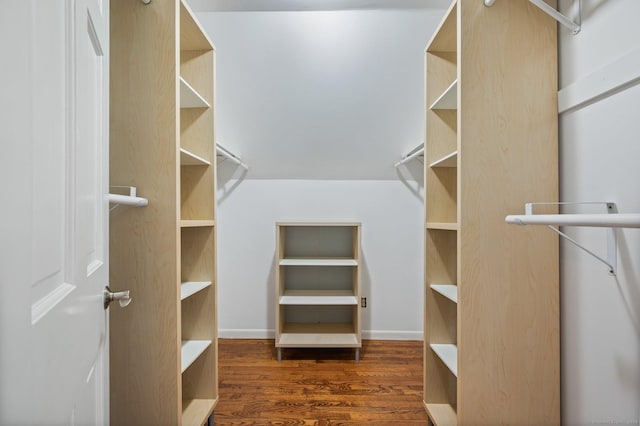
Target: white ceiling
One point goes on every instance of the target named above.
(310, 5)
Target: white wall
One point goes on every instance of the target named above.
(321, 104)
(320, 94)
(392, 250)
(600, 153)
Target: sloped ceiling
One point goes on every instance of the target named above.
(322, 94)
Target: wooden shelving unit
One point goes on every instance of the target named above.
(164, 348)
(317, 285)
(491, 331)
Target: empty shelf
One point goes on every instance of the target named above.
(330, 335)
(189, 97)
(450, 291)
(449, 160)
(318, 262)
(191, 350)
(196, 411)
(445, 226)
(190, 159)
(318, 297)
(192, 287)
(448, 99)
(442, 414)
(196, 223)
(448, 353)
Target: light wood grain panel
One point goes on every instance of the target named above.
(441, 73)
(442, 197)
(192, 36)
(508, 276)
(196, 67)
(196, 134)
(445, 37)
(196, 193)
(144, 346)
(199, 322)
(198, 257)
(442, 134)
(194, 410)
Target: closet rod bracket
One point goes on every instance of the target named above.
(610, 220)
(561, 18)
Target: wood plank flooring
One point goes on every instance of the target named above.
(320, 386)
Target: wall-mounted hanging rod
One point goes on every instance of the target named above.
(414, 153)
(611, 220)
(127, 200)
(562, 19)
(222, 151)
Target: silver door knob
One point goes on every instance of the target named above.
(121, 296)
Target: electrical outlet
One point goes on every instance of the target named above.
(363, 302)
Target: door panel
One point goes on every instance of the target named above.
(54, 221)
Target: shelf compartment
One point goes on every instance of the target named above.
(448, 353)
(188, 158)
(448, 99)
(318, 297)
(190, 98)
(190, 288)
(442, 414)
(449, 160)
(443, 226)
(196, 411)
(332, 335)
(191, 350)
(309, 241)
(196, 196)
(450, 291)
(318, 262)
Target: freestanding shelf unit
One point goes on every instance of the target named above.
(491, 330)
(164, 345)
(317, 286)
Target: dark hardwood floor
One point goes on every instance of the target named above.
(320, 386)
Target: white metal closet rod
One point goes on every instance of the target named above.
(229, 155)
(604, 220)
(127, 200)
(410, 156)
(542, 5)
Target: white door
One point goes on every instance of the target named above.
(54, 212)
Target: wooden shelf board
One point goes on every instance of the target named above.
(441, 414)
(450, 291)
(196, 223)
(449, 160)
(444, 226)
(329, 335)
(190, 288)
(318, 297)
(318, 262)
(190, 98)
(191, 350)
(195, 412)
(448, 353)
(448, 99)
(188, 158)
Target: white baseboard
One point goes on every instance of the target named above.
(235, 333)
